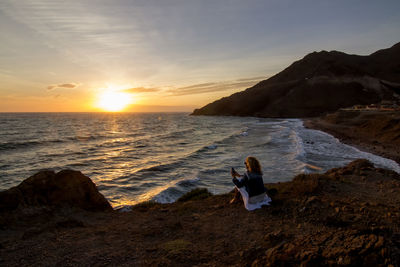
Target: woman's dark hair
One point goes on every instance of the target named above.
(253, 165)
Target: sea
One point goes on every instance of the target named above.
(136, 157)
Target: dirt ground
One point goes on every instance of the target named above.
(349, 216)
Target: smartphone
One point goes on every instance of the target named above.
(233, 170)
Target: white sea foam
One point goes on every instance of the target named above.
(379, 161)
(299, 145)
(175, 190)
(329, 151)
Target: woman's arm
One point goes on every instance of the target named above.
(240, 183)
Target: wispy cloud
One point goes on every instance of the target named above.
(63, 85)
(214, 87)
(81, 31)
(142, 90)
(252, 79)
(194, 89)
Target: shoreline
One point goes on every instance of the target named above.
(357, 131)
(357, 143)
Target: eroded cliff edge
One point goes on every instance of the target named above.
(347, 216)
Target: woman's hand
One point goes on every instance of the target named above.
(234, 173)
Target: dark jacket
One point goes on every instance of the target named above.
(252, 182)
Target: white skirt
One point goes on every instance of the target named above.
(252, 206)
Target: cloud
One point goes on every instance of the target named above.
(198, 86)
(252, 79)
(63, 85)
(141, 90)
(215, 87)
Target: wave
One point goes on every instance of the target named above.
(272, 122)
(34, 143)
(299, 145)
(176, 134)
(5, 166)
(66, 154)
(176, 190)
(157, 168)
(211, 147)
(27, 144)
(197, 153)
(187, 183)
(329, 151)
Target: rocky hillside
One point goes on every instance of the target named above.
(320, 82)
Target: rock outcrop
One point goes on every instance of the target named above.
(66, 188)
(320, 82)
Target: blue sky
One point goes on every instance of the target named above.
(171, 53)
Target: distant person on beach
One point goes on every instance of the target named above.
(251, 185)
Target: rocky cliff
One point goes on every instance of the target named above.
(320, 82)
(345, 217)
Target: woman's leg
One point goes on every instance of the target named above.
(237, 197)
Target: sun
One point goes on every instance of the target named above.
(113, 101)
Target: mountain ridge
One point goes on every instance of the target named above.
(318, 83)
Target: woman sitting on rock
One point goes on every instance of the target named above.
(251, 185)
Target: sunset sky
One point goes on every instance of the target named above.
(169, 55)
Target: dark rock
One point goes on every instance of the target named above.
(353, 168)
(66, 188)
(360, 164)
